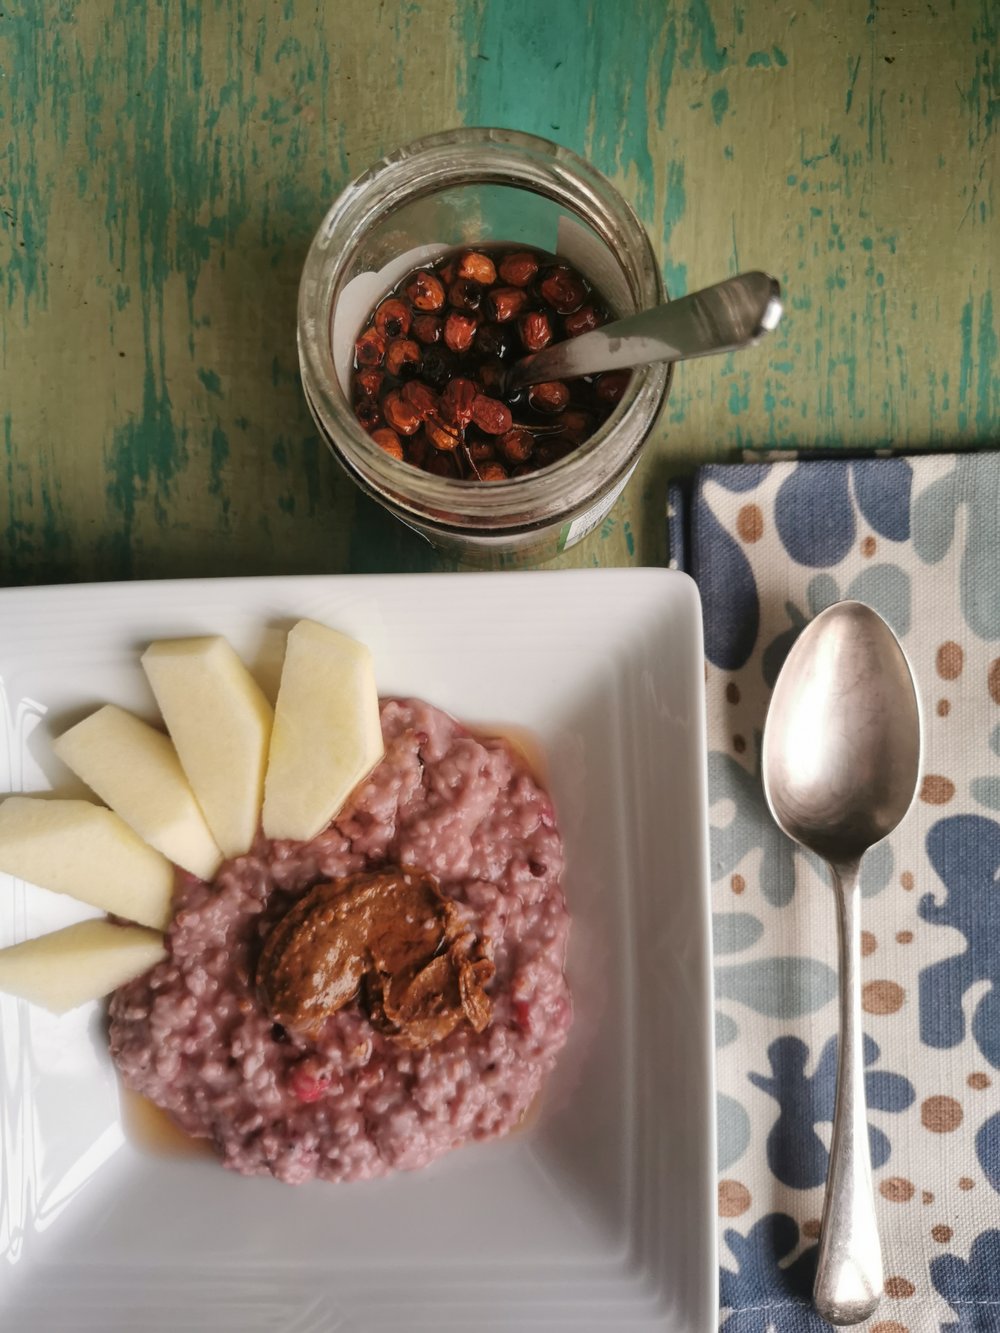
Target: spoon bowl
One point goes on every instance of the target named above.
(840, 760)
(842, 741)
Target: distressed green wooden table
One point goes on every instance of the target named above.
(162, 168)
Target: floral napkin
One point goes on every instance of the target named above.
(770, 546)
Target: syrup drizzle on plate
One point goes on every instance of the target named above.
(151, 1130)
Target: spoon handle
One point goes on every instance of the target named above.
(722, 318)
(849, 1273)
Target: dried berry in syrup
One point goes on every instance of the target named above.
(432, 364)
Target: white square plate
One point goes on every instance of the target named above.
(599, 1215)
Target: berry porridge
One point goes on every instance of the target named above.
(392, 1075)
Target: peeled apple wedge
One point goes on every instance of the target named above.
(326, 736)
(134, 769)
(87, 852)
(82, 962)
(220, 723)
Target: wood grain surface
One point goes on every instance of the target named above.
(162, 169)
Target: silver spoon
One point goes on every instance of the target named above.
(722, 318)
(841, 753)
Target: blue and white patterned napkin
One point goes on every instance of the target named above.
(771, 545)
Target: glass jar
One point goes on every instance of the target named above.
(476, 187)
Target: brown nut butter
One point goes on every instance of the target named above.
(389, 938)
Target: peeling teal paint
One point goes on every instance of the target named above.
(219, 453)
(720, 104)
(518, 73)
(987, 377)
(23, 203)
(675, 204)
(853, 71)
(544, 67)
(665, 72)
(702, 26)
(965, 364)
(146, 449)
(211, 381)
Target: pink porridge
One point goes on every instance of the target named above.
(351, 1101)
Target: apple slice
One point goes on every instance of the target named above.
(87, 852)
(327, 735)
(220, 722)
(134, 769)
(82, 962)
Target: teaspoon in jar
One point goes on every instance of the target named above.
(840, 759)
(722, 318)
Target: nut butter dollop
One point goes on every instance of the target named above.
(391, 938)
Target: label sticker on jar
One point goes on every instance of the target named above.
(584, 523)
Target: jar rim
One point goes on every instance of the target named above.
(423, 167)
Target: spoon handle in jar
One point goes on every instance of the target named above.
(722, 318)
(849, 1271)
